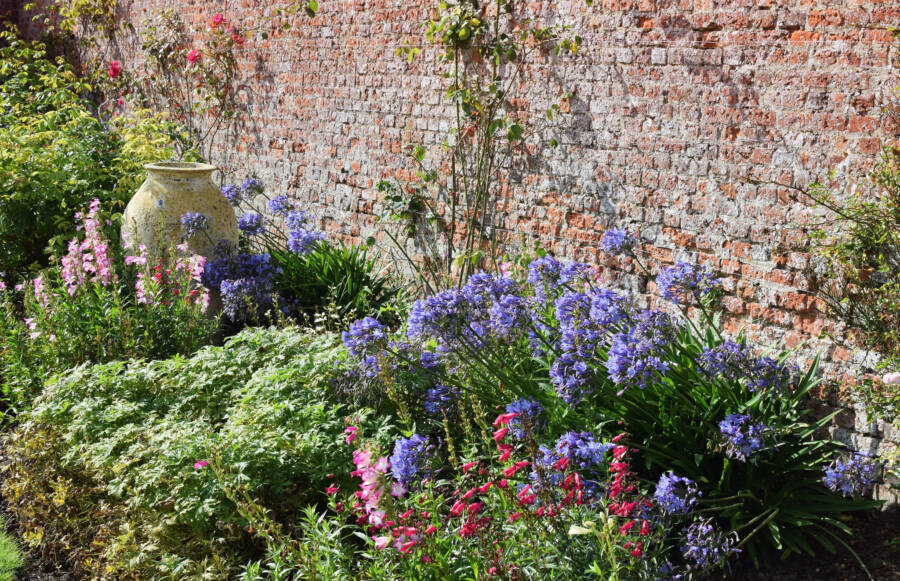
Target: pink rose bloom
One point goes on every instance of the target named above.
(892, 378)
(114, 69)
(193, 56)
(200, 464)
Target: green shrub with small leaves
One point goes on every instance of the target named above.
(143, 459)
(56, 155)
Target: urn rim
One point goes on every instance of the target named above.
(179, 167)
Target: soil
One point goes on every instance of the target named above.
(876, 539)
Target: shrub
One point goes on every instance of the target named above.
(715, 412)
(101, 304)
(56, 155)
(140, 459)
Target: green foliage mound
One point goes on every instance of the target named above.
(56, 154)
(130, 469)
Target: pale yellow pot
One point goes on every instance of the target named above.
(174, 188)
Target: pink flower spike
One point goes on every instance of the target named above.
(332, 489)
(503, 419)
(407, 546)
(475, 508)
(500, 434)
(468, 466)
(200, 464)
(503, 483)
(468, 495)
(515, 516)
(561, 463)
(617, 438)
(431, 529)
(483, 489)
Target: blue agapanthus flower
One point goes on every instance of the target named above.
(730, 360)
(743, 438)
(193, 223)
(280, 205)
(530, 417)
(302, 235)
(440, 400)
(244, 299)
(852, 476)
(429, 360)
(409, 458)
(364, 336)
(251, 224)
(705, 547)
(637, 356)
(683, 281)
(617, 241)
(252, 186)
(233, 194)
(572, 378)
(543, 276)
(676, 494)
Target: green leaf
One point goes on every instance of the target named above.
(514, 133)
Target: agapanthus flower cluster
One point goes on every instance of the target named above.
(851, 476)
(743, 437)
(637, 356)
(302, 235)
(676, 494)
(572, 378)
(280, 205)
(365, 340)
(232, 193)
(529, 418)
(547, 276)
(732, 361)
(729, 360)
(90, 259)
(617, 241)
(683, 281)
(237, 194)
(245, 282)
(192, 223)
(251, 224)
(585, 321)
(440, 400)
(706, 547)
(487, 308)
(409, 459)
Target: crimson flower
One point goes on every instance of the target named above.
(193, 56)
(114, 69)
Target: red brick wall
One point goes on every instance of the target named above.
(692, 121)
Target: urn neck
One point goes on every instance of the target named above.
(179, 171)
